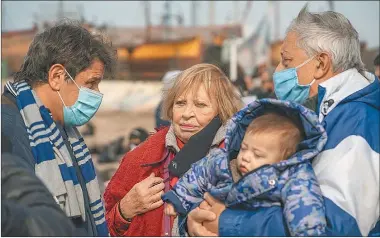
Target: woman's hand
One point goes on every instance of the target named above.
(143, 197)
(217, 208)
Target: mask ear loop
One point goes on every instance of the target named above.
(61, 98)
(72, 79)
(299, 66)
(75, 84)
(307, 61)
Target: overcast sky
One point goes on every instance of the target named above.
(364, 15)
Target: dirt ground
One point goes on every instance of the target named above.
(110, 125)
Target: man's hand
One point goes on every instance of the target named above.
(195, 219)
(215, 207)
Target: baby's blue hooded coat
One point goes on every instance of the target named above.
(290, 184)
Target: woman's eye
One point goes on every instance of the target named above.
(201, 105)
(180, 103)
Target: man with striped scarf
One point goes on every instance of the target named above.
(56, 90)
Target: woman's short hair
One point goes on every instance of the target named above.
(329, 32)
(217, 84)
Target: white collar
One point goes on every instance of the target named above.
(341, 86)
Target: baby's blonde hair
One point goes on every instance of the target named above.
(289, 132)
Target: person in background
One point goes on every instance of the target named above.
(267, 85)
(116, 149)
(89, 130)
(55, 91)
(321, 66)
(198, 105)
(376, 62)
(136, 137)
(265, 88)
(168, 81)
(240, 82)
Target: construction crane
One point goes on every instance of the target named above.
(211, 12)
(148, 25)
(276, 14)
(246, 12)
(60, 13)
(331, 5)
(193, 13)
(167, 19)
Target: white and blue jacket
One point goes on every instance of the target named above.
(347, 169)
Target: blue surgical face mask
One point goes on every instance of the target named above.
(287, 87)
(84, 108)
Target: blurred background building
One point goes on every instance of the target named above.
(164, 42)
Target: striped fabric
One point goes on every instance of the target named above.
(53, 163)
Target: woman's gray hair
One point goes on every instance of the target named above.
(329, 32)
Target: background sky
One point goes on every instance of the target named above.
(364, 15)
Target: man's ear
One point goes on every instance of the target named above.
(56, 76)
(323, 65)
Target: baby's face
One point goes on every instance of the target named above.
(258, 150)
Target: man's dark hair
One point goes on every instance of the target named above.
(69, 44)
(376, 62)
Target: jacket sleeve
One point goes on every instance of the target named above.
(349, 178)
(190, 188)
(13, 127)
(120, 184)
(27, 207)
(129, 173)
(348, 167)
(303, 202)
(266, 221)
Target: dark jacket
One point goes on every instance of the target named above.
(27, 207)
(13, 127)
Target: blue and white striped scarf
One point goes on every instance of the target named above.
(53, 163)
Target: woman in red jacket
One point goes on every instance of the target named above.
(202, 99)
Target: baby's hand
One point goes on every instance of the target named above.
(169, 210)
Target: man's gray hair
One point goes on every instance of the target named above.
(329, 32)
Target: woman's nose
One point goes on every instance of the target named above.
(188, 112)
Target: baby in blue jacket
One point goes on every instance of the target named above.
(266, 162)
